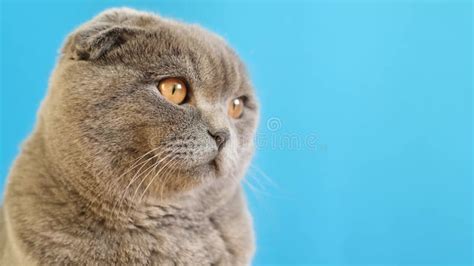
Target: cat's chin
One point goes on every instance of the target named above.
(204, 171)
(184, 179)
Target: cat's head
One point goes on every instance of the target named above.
(139, 102)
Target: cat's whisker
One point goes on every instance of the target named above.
(264, 175)
(139, 171)
(253, 188)
(163, 181)
(156, 174)
(137, 162)
(136, 176)
(251, 177)
(170, 156)
(146, 171)
(258, 188)
(115, 182)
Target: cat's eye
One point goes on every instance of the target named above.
(236, 108)
(173, 89)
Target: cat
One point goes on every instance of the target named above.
(136, 157)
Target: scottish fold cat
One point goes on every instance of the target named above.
(137, 152)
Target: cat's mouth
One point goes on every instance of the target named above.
(219, 165)
(208, 166)
(214, 165)
(210, 169)
(202, 171)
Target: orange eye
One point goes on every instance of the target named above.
(173, 89)
(236, 108)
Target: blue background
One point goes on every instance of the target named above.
(385, 87)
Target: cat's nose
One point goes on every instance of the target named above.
(220, 136)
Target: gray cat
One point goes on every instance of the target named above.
(137, 153)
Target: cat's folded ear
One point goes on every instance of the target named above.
(94, 41)
(106, 31)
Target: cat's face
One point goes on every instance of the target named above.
(142, 103)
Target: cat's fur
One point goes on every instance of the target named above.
(75, 195)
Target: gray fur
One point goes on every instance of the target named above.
(78, 194)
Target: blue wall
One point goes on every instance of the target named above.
(366, 129)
